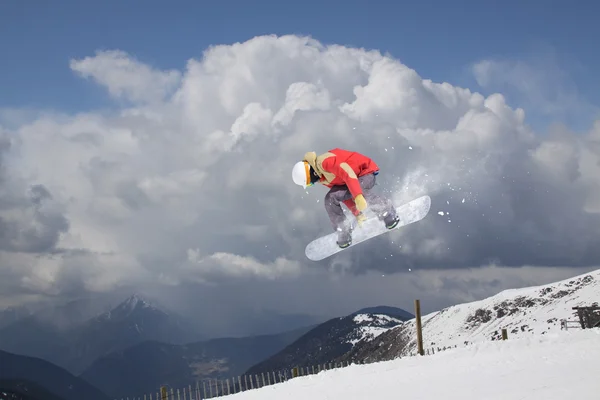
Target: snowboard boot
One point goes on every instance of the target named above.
(391, 222)
(344, 237)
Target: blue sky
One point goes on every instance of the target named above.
(439, 39)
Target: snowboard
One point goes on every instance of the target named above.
(325, 246)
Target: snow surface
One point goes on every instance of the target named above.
(367, 333)
(555, 366)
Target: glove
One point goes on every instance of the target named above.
(360, 202)
(361, 218)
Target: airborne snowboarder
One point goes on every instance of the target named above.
(351, 177)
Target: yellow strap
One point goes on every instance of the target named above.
(307, 168)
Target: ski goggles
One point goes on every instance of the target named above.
(307, 170)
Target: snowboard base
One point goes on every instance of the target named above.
(326, 246)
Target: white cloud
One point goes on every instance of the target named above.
(302, 96)
(202, 161)
(226, 265)
(126, 77)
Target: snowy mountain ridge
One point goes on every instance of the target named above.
(535, 310)
(370, 326)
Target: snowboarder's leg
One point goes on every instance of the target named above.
(382, 206)
(333, 205)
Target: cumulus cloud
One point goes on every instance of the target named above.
(127, 78)
(192, 182)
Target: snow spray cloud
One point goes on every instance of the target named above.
(190, 180)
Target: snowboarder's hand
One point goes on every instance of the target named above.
(361, 218)
(360, 202)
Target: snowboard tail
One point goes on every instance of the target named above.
(326, 246)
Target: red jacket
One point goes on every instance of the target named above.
(343, 167)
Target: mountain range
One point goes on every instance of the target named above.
(144, 367)
(135, 335)
(62, 338)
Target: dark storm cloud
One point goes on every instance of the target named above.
(24, 223)
(30, 227)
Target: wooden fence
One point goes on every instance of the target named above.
(212, 388)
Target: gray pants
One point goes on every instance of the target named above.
(381, 206)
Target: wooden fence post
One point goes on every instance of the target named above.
(504, 334)
(163, 393)
(294, 372)
(419, 327)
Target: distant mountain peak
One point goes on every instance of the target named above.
(133, 304)
(134, 301)
(386, 310)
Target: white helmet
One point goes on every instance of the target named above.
(301, 174)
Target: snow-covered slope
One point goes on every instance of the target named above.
(527, 311)
(558, 365)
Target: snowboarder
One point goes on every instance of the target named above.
(351, 177)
